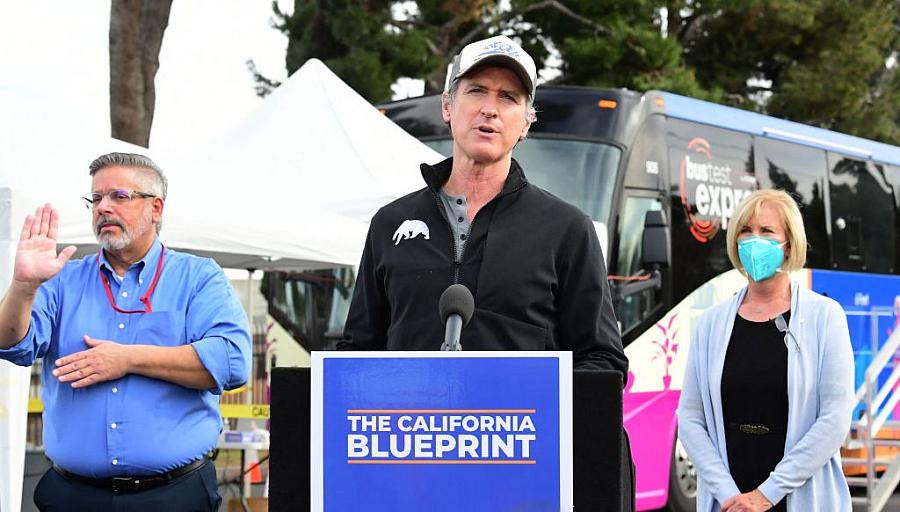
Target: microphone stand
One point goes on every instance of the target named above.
(452, 334)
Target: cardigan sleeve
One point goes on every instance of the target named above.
(834, 390)
(694, 427)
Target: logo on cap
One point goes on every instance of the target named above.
(499, 48)
(494, 47)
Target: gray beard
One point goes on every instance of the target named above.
(110, 242)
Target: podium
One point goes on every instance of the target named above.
(601, 463)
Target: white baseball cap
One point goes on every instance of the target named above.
(499, 50)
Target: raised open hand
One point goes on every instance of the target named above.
(36, 258)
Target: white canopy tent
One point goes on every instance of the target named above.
(323, 144)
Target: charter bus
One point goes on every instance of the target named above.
(672, 169)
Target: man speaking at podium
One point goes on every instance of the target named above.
(532, 262)
(138, 341)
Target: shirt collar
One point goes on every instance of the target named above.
(146, 265)
(436, 175)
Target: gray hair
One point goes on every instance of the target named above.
(152, 176)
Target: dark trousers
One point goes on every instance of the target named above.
(194, 492)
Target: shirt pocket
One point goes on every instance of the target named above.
(163, 328)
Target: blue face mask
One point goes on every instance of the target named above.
(761, 257)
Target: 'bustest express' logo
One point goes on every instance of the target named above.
(447, 436)
(710, 189)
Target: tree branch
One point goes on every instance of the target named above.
(264, 85)
(498, 18)
(690, 27)
(883, 80)
(407, 24)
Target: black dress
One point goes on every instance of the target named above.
(754, 395)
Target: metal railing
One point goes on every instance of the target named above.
(878, 400)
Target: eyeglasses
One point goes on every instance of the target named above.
(118, 197)
(781, 325)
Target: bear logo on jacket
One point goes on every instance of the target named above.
(410, 229)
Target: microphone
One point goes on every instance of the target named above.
(456, 307)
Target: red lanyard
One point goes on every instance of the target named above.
(146, 298)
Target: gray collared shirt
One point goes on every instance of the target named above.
(457, 213)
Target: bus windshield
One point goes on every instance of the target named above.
(582, 173)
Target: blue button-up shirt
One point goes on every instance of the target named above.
(135, 425)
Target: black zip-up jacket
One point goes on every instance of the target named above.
(531, 260)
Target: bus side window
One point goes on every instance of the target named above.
(647, 159)
(892, 176)
(631, 309)
(801, 172)
(863, 216)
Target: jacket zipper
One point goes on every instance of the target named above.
(456, 262)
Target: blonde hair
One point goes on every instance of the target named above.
(791, 219)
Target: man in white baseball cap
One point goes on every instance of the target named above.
(532, 261)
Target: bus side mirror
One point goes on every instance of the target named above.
(655, 249)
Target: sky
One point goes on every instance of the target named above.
(60, 48)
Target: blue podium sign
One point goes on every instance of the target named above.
(441, 431)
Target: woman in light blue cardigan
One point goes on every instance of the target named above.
(765, 240)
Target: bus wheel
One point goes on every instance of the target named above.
(682, 481)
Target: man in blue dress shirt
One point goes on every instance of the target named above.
(138, 341)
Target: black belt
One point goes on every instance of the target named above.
(759, 430)
(130, 484)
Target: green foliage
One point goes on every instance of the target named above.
(820, 62)
(359, 41)
(611, 44)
